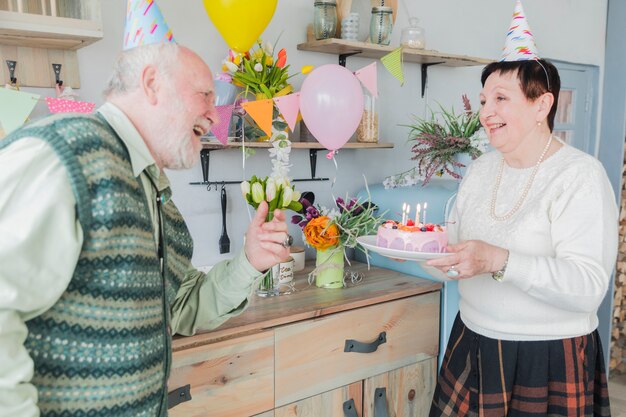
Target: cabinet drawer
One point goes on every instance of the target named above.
(229, 378)
(310, 357)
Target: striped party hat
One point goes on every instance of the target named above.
(145, 24)
(520, 42)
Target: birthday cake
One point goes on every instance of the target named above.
(429, 237)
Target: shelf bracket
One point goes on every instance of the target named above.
(342, 57)
(425, 75)
(205, 156)
(313, 161)
(56, 68)
(11, 65)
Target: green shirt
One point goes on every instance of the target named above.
(40, 241)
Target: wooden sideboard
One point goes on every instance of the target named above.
(299, 354)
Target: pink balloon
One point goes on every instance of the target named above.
(331, 103)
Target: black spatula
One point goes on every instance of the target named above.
(224, 240)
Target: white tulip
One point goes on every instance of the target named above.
(245, 188)
(257, 192)
(287, 196)
(270, 190)
(296, 196)
(258, 67)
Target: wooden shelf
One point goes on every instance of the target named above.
(39, 31)
(295, 145)
(368, 50)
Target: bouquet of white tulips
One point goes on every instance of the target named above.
(277, 191)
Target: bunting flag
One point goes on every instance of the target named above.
(261, 113)
(369, 78)
(145, 24)
(393, 62)
(289, 107)
(61, 105)
(220, 130)
(520, 42)
(15, 107)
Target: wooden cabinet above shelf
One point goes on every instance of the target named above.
(40, 31)
(368, 50)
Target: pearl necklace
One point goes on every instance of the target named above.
(529, 183)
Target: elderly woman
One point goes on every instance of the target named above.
(535, 223)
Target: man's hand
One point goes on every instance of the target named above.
(264, 240)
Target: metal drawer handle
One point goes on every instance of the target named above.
(361, 347)
(380, 402)
(349, 409)
(178, 396)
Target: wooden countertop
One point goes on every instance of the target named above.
(379, 285)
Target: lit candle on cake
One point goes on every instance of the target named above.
(403, 213)
(418, 207)
(408, 210)
(425, 205)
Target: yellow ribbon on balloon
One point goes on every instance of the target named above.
(240, 22)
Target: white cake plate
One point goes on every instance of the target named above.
(369, 243)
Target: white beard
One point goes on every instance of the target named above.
(178, 147)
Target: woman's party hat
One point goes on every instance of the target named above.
(520, 42)
(145, 24)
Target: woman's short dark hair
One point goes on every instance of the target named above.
(534, 77)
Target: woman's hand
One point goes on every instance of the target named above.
(470, 258)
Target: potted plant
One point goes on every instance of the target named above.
(443, 143)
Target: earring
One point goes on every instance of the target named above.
(538, 123)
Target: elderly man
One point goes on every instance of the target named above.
(95, 271)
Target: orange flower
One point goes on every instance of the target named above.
(282, 60)
(319, 238)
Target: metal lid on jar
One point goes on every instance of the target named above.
(382, 9)
(325, 3)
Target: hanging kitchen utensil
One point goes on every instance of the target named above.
(224, 239)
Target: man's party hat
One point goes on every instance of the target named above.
(145, 24)
(520, 43)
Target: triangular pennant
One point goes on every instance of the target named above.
(520, 42)
(220, 130)
(61, 105)
(15, 106)
(369, 77)
(145, 24)
(261, 113)
(393, 62)
(289, 107)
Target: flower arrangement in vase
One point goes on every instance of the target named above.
(279, 194)
(438, 142)
(262, 75)
(331, 231)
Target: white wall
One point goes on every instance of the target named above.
(474, 28)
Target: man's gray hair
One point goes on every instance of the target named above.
(129, 65)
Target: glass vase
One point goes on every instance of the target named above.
(329, 268)
(269, 284)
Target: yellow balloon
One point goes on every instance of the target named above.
(240, 22)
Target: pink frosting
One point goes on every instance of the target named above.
(432, 242)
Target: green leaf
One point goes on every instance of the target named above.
(265, 90)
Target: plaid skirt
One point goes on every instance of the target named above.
(494, 378)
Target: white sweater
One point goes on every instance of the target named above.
(562, 243)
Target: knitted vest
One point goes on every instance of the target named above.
(104, 348)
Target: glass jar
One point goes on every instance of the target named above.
(350, 27)
(381, 25)
(413, 35)
(367, 131)
(325, 19)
